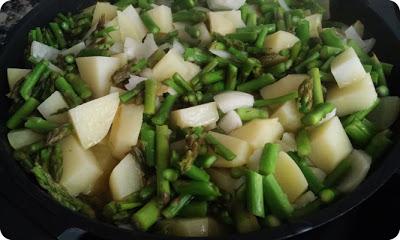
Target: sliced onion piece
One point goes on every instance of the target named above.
(117, 47)
(134, 81)
(232, 100)
(131, 48)
(304, 200)
(369, 44)
(360, 165)
(221, 53)
(254, 160)
(225, 4)
(351, 33)
(179, 48)
(386, 113)
(74, 50)
(41, 51)
(230, 122)
(288, 142)
(148, 47)
(284, 5)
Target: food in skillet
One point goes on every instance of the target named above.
(199, 118)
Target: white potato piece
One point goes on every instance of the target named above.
(347, 68)
(126, 178)
(231, 100)
(122, 58)
(103, 9)
(329, 145)
(289, 116)
(353, 98)
(225, 4)
(279, 41)
(97, 73)
(284, 86)
(304, 200)
(117, 90)
(130, 24)
(205, 36)
(126, 128)
(117, 48)
(230, 122)
(315, 21)
(170, 64)
(22, 138)
(225, 22)
(162, 16)
(106, 163)
(253, 163)
(288, 142)
(258, 132)
(115, 35)
(132, 47)
(16, 74)
(240, 148)
(92, 120)
(360, 165)
(386, 113)
(196, 116)
(52, 105)
(290, 177)
(191, 71)
(80, 167)
(191, 227)
(222, 178)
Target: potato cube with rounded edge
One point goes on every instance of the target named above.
(92, 120)
(279, 41)
(329, 145)
(51, 107)
(126, 178)
(225, 22)
(315, 21)
(97, 73)
(196, 116)
(290, 177)
(80, 167)
(170, 64)
(222, 178)
(162, 16)
(353, 98)
(130, 24)
(284, 86)
(125, 129)
(258, 132)
(103, 9)
(347, 68)
(289, 116)
(115, 35)
(16, 74)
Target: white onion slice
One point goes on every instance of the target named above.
(179, 48)
(221, 53)
(41, 51)
(148, 47)
(131, 48)
(284, 5)
(117, 47)
(360, 165)
(351, 33)
(369, 44)
(254, 160)
(288, 142)
(134, 81)
(232, 100)
(230, 122)
(74, 50)
(304, 200)
(386, 113)
(225, 4)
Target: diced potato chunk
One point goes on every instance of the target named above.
(347, 68)
(353, 98)
(279, 41)
(258, 132)
(92, 120)
(170, 64)
(191, 227)
(225, 22)
(290, 177)
(126, 128)
(22, 137)
(191, 71)
(222, 178)
(103, 9)
(329, 145)
(196, 116)
(123, 59)
(284, 86)
(130, 24)
(126, 178)
(115, 35)
(289, 116)
(315, 21)
(97, 73)
(51, 106)
(162, 16)
(16, 74)
(80, 168)
(240, 148)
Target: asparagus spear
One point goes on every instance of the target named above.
(32, 79)
(176, 205)
(275, 198)
(254, 190)
(194, 209)
(162, 155)
(147, 215)
(268, 158)
(219, 148)
(248, 114)
(40, 125)
(150, 90)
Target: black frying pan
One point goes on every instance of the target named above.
(382, 21)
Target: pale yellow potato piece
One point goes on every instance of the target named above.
(200, 115)
(347, 68)
(289, 116)
(97, 73)
(126, 178)
(353, 98)
(16, 74)
(117, 90)
(284, 86)
(258, 132)
(170, 64)
(279, 41)
(80, 167)
(191, 71)
(126, 128)
(162, 16)
(222, 178)
(123, 59)
(103, 9)
(92, 120)
(115, 35)
(225, 22)
(22, 137)
(240, 148)
(315, 21)
(130, 24)
(329, 145)
(290, 177)
(53, 104)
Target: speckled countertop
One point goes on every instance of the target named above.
(11, 13)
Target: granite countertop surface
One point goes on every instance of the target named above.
(11, 12)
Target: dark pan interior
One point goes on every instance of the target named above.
(22, 191)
